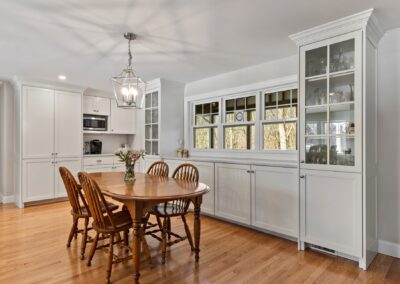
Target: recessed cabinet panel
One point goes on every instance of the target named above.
(68, 121)
(38, 179)
(122, 119)
(331, 210)
(37, 122)
(275, 199)
(73, 165)
(96, 105)
(232, 192)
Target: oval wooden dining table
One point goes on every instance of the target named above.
(147, 191)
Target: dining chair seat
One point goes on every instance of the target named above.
(84, 212)
(167, 210)
(121, 222)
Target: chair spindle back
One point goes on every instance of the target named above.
(186, 172)
(159, 168)
(75, 196)
(95, 200)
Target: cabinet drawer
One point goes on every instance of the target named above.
(96, 161)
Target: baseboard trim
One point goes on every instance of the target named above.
(389, 248)
(6, 199)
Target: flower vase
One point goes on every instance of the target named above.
(129, 172)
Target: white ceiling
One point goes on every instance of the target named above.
(181, 40)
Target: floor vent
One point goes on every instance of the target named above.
(323, 249)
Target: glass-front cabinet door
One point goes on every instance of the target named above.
(330, 120)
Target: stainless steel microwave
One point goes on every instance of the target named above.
(94, 122)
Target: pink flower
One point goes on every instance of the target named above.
(134, 155)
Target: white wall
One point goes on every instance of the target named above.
(388, 141)
(6, 142)
(258, 73)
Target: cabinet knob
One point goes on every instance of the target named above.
(302, 176)
(302, 162)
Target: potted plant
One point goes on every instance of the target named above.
(129, 157)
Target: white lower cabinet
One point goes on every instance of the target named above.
(41, 179)
(73, 165)
(274, 201)
(331, 210)
(232, 192)
(37, 179)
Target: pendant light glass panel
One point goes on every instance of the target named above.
(129, 89)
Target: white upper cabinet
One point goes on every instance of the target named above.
(37, 122)
(122, 119)
(96, 105)
(68, 122)
(331, 103)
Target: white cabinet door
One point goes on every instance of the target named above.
(206, 176)
(96, 105)
(96, 169)
(68, 121)
(331, 210)
(38, 179)
(37, 123)
(232, 192)
(122, 119)
(73, 165)
(275, 194)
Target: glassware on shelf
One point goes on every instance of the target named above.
(316, 61)
(342, 56)
(341, 117)
(316, 121)
(341, 89)
(316, 150)
(341, 151)
(316, 92)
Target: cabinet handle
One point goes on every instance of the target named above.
(250, 172)
(99, 161)
(302, 162)
(302, 176)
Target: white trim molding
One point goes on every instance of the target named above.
(389, 248)
(362, 20)
(6, 199)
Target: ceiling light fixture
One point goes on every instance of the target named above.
(128, 88)
(62, 77)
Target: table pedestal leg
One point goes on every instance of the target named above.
(197, 228)
(136, 211)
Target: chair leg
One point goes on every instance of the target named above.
(188, 234)
(110, 259)
(93, 249)
(160, 225)
(164, 241)
(169, 228)
(146, 249)
(72, 232)
(84, 238)
(126, 238)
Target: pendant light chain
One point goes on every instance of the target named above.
(130, 55)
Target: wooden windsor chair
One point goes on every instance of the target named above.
(176, 208)
(79, 209)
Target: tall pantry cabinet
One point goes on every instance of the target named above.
(48, 135)
(337, 141)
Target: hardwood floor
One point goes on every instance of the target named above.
(33, 250)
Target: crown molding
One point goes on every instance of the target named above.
(374, 30)
(26, 81)
(341, 26)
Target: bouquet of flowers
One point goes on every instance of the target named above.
(129, 157)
